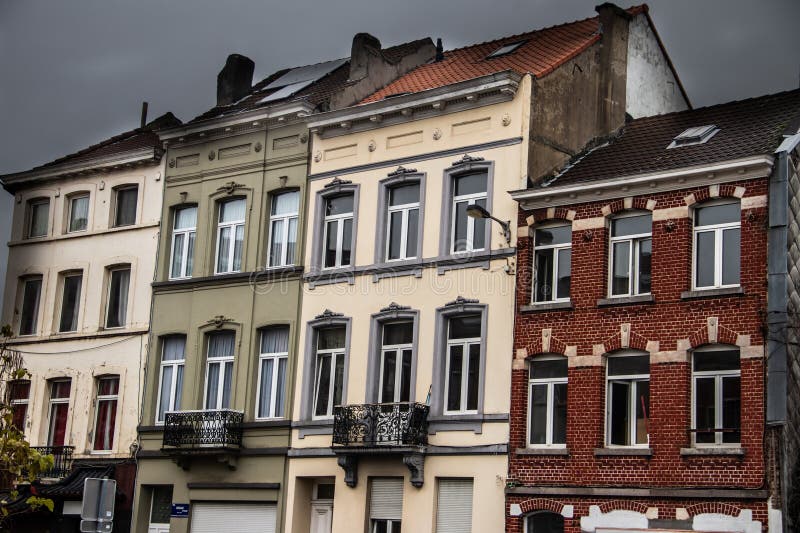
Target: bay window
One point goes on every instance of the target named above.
(552, 263)
(547, 401)
(272, 361)
(219, 369)
(329, 375)
(106, 415)
(170, 384)
(628, 399)
(230, 236)
(630, 248)
(283, 229)
(717, 395)
(184, 228)
(717, 234)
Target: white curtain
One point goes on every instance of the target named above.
(232, 210)
(285, 203)
(186, 218)
(275, 340)
(80, 213)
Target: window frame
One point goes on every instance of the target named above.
(117, 190)
(110, 273)
(276, 357)
(232, 225)
(77, 310)
(528, 526)
(719, 375)
(37, 308)
(464, 166)
(327, 319)
(334, 354)
(550, 383)
(632, 406)
(71, 198)
(223, 362)
(556, 249)
(105, 398)
(286, 218)
(29, 207)
(398, 178)
(340, 221)
(51, 403)
(15, 402)
(465, 343)
(389, 315)
(718, 231)
(334, 188)
(634, 268)
(173, 390)
(188, 233)
(399, 349)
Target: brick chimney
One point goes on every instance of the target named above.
(614, 23)
(235, 79)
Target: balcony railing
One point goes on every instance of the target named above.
(206, 430)
(381, 424)
(62, 460)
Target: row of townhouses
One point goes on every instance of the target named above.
(518, 286)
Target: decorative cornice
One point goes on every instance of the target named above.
(328, 314)
(230, 187)
(402, 171)
(395, 307)
(219, 321)
(336, 182)
(461, 301)
(467, 159)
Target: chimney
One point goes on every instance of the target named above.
(364, 46)
(143, 120)
(439, 50)
(613, 66)
(235, 79)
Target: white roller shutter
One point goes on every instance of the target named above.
(454, 506)
(229, 517)
(386, 498)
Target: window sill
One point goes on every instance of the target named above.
(313, 427)
(734, 451)
(626, 300)
(712, 293)
(623, 451)
(464, 422)
(542, 451)
(546, 306)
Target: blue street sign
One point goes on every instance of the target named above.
(179, 510)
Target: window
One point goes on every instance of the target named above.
(454, 506)
(125, 205)
(631, 249)
(18, 395)
(219, 369)
(170, 384)
(29, 316)
(694, 135)
(552, 263)
(338, 235)
(716, 375)
(396, 355)
(463, 364)
(468, 234)
(106, 419)
(402, 223)
(628, 399)
(119, 281)
(547, 401)
(506, 49)
(230, 236)
(160, 508)
(59, 411)
(184, 229)
(272, 362)
(329, 379)
(70, 302)
(78, 216)
(38, 217)
(283, 229)
(385, 504)
(716, 245)
(544, 522)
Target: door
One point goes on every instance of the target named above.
(321, 516)
(230, 517)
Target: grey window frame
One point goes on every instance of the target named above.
(388, 315)
(460, 168)
(37, 308)
(110, 275)
(77, 310)
(118, 189)
(327, 319)
(382, 235)
(336, 187)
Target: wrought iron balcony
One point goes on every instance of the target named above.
(381, 424)
(203, 431)
(62, 460)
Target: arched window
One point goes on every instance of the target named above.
(544, 522)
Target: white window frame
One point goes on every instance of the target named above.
(223, 361)
(233, 225)
(71, 199)
(52, 402)
(556, 248)
(286, 218)
(64, 277)
(184, 253)
(718, 230)
(718, 376)
(630, 379)
(465, 344)
(276, 357)
(117, 191)
(105, 398)
(340, 220)
(175, 363)
(108, 294)
(389, 524)
(550, 383)
(471, 199)
(334, 354)
(21, 401)
(37, 308)
(404, 209)
(634, 269)
(33, 202)
(398, 363)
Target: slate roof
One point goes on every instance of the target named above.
(747, 128)
(543, 51)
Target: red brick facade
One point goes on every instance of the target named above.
(662, 327)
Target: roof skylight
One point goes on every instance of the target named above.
(694, 135)
(505, 49)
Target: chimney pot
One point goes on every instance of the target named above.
(439, 50)
(235, 79)
(143, 121)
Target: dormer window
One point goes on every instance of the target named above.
(695, 135)
(506, 49)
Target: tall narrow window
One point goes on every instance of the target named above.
(29, 316)
(338, 237)
(230, 236)
(170, 385)
(395, 371)
(283, 229)
(117, 312)
(468, 234)
(716, 373)
(463, 364)
(160, 509)
(272, 362)
(628, 400)
(78, 218)
(219, 369)
(385, 504)
(552, 263)
(59, 411)
(402, 224)
(454, 506)
(717, 230)
(329, 378)
(547, 401)
(631, 247)
(125, 205)
(183, 232)
(38, 218)
(70, 302)
(106, 419)
(18, 395)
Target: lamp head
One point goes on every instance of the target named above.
(476, 211)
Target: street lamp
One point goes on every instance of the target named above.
(476, 211)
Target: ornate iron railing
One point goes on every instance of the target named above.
(208, 429)
(381, 424)
(62, 460)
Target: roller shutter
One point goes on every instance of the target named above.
(386, 498)
(230, 517)
(454, 506)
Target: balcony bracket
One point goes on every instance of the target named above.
(416, 466)
(349, 464)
